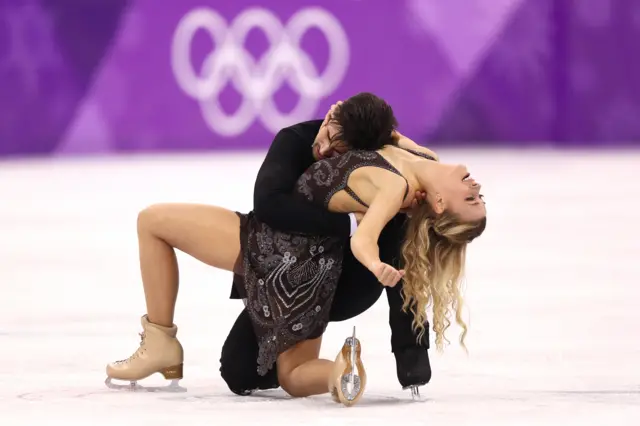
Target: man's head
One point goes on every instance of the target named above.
(363, 121)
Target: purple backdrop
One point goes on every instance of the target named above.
(126, 75)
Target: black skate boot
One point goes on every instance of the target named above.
(266, 382)
(413, 368)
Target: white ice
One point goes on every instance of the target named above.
(553, 299)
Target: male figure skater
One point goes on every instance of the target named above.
(293, 150)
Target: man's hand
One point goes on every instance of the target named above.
(419, 199)
(329, 115)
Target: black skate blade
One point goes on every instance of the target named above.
(173, 387)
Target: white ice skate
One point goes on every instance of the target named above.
(159, 352)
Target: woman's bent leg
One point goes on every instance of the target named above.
(301, 373)
(208, 233)
(211, 235)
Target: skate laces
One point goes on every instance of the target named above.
(136, 353)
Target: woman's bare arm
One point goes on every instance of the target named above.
(385, 205)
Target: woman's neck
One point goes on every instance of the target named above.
(425, 174)
(419, 172)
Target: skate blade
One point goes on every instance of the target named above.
(173, 386)
(415, 392)
(351, 384)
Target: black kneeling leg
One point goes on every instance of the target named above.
(238, 362)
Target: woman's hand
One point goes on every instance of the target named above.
(386, 274)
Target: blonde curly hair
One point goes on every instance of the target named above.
(434, 256)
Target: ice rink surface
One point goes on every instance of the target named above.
(552, 290)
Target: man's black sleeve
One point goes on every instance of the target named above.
(273, 199)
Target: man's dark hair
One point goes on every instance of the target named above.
(366, 122)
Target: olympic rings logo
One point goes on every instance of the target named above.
(258, 80)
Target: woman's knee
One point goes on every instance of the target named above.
(288, 384)
(290, 362)
(151, 217)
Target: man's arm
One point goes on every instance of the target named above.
(273, 199)
(406, 143)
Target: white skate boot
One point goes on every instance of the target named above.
(159, 352)
(349, 379)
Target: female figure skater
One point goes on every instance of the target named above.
(289, 280)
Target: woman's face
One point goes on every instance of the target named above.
(458, 193)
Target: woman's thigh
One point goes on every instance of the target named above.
(210, 234)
